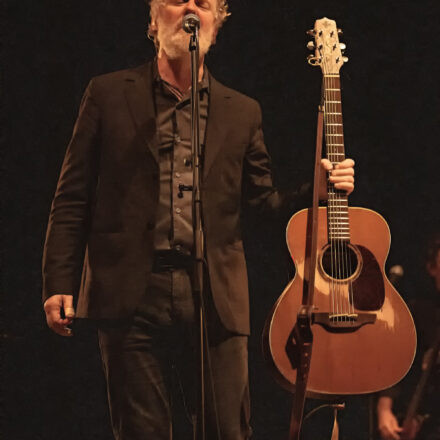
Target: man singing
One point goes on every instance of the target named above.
(120, 229)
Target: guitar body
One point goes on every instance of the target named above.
(364, 338)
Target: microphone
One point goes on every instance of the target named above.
(190, 23)
(395, 274)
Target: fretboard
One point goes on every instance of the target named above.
(337, 210)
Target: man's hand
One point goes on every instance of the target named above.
(52, 308)
(342, 176)
(387, 423)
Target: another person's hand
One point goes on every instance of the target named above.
(387, 423)
(342, 176)
(52, 308)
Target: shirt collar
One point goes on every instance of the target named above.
(203, 85)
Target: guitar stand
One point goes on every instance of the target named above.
(304, 339)
(336, 407)
(302, 331)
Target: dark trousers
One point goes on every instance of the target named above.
(143, 356)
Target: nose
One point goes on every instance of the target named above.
(191, 7)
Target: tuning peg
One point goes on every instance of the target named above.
(313, 61)
(311, 45)
(345, 59)
(311, 32)
(342, 46)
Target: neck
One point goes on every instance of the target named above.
(177, 72)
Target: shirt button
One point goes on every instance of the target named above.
(178, 210)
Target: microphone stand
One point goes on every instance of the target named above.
(198, 282)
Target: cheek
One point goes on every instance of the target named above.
(207, 18)
(169, 16)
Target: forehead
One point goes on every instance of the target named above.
(214, 3)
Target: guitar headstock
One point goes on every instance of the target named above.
(328, 49)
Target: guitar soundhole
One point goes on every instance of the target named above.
(340, 260)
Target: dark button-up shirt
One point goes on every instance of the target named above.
(173, 121)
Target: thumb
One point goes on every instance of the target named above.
(326, 164)
(69, 310)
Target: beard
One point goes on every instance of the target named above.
(175, 41)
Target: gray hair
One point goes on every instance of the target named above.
(221, 14)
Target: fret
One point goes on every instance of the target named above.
(337, 204)
(341, 219)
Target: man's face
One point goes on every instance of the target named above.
(173, 40)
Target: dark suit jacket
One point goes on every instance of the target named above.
(100, 234)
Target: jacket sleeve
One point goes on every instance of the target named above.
(258, 185)
(70, 213)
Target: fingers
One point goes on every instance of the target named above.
(341, 175)
(347, 163)
(52, 308)
(69, 311)
(388, 433)
(327, 165)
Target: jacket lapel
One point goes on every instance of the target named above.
(139, 94)
(215, 129)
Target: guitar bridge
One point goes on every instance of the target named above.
(343, 322)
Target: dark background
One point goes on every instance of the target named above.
(53, 387)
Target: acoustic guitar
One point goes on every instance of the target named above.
(364, 337)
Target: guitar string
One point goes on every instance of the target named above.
(332, 295)
(345, 226)
(330, 204)
(330, 207)
(332, 225)
(336, 210)
(338, 228)
(343, 211)
(340, 211)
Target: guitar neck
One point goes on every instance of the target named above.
(429, 364)
(334, 138)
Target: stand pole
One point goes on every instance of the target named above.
(198, 231)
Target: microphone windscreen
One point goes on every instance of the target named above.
(190, 23)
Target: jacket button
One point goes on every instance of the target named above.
(150, 225)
